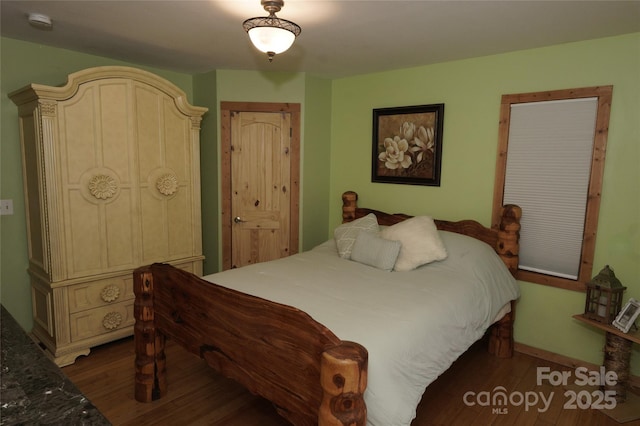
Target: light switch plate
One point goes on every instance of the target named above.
(6, 207)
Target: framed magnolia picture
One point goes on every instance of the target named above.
(407, 145)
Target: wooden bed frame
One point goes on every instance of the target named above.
(277, 351)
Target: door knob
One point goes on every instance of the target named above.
(237, 219)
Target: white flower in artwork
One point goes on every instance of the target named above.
(422, 143)
(407, 130)
(395, 153)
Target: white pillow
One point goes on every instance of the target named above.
(374, 251)
(420, 242)
(345, 234)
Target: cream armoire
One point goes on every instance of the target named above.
(111, 168)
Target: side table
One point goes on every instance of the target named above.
(617, 356)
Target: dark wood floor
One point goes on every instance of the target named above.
(198, 396)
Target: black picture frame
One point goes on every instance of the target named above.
(407, 145)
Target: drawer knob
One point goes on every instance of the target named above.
(112, 320)
(110, 293)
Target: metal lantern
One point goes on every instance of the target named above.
(604, 297)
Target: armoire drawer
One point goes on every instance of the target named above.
(103, 320)
(100, 293)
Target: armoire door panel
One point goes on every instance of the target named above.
(177, 144)
(155, 240)
(116, 147)
(95, 131)
(78, 135)
(180, 232)
(100, 234)
(84, 235)
(148, 113)
(121, 232)
(167, 234)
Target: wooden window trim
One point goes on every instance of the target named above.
(604, 95)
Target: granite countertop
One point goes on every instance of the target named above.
(33, 389)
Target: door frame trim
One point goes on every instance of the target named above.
(226, 111)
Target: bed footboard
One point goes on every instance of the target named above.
(274, 350)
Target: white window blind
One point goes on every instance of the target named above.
(547, 175)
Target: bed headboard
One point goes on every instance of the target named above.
(504, 240)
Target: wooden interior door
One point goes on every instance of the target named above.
(260, 165)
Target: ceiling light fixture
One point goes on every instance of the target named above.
(271, 34)
(40, 21)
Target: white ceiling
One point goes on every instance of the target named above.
(339, 37)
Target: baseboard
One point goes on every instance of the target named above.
(565, 361)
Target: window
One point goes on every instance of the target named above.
(551, 153)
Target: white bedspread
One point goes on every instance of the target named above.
(413, 324)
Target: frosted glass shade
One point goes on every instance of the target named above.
(271, 39)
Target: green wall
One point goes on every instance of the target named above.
(316, 153)
(205, 94)
(471, 91)
(336, 150)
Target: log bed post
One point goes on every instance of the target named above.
(349, 205)
(508, 245)
(150, 363)
(501, 338)
(343, 376)
(501, 341)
